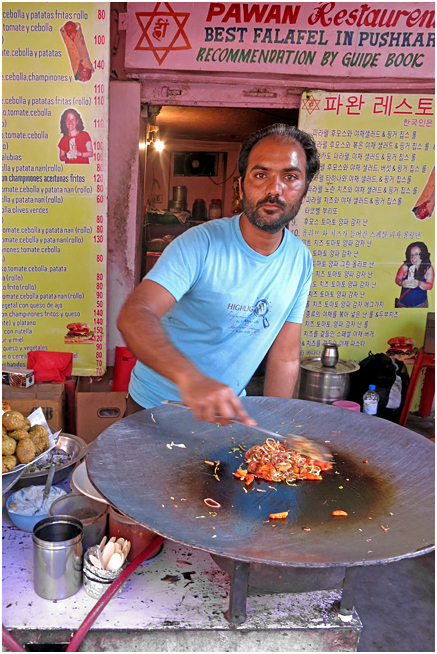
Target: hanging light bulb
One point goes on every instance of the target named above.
(159, 145)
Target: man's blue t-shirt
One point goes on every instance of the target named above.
(231, 303)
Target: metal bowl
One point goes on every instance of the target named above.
(70, 444)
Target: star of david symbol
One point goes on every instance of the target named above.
(311, 104)
(162, 31)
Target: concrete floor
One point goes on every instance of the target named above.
(396, 602)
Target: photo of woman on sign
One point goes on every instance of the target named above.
(76, 145)
(415, 277)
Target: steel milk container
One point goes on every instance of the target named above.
(57, 557)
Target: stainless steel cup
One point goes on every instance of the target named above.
(330, 355)
(57, 557)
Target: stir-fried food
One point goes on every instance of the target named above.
(275, 461)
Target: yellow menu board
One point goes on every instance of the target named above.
(54, 162)
(368, 220)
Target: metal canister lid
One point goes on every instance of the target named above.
(341, 367)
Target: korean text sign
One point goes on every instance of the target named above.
(368, 220)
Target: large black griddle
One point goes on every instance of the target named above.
(131, 465)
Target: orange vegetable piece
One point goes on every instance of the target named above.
(340, 513)
(278, 516)
(249, 479)
(240, 473)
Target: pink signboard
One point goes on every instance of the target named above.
(331, 39)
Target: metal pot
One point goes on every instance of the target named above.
(326, 385)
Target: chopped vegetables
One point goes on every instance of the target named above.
(337, 512)
(58, 457)
(275, 461)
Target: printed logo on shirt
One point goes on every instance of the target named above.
(252, 323)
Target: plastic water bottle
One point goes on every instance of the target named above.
(370, 401)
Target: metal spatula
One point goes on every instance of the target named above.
(300, 444)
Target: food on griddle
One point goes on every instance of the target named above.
(9, 445)
(275, 461)
(18, 434)
(41, 443)
(278, 516)
(37, 430)
(8, 463)
(13, 420)
(338, 513)
(26, 450)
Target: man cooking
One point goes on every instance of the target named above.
(225, 293)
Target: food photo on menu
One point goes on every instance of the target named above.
(79, 332)
(77, 50)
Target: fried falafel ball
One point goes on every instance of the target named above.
(41, 443)
(8, 445)
(18, 434)
(26, 450)
(13, 420)
(37, 430)
(8, 463)
(4, 431)
(6, 406)
(27, 424)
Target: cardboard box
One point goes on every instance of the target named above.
(97, 408)
(22, 377)
(50, 397)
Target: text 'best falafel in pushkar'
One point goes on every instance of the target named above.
(79, 332)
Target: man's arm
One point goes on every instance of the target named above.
(139, 323)
(283, 362)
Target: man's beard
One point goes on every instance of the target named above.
(253, 213)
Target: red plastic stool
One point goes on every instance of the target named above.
(423, 360)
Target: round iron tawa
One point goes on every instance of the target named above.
(383, 478)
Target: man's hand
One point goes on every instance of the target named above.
(212, 401)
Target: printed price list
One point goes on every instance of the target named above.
(54, 165)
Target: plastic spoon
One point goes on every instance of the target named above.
(95, 561)
(107, 553)
(114, 562)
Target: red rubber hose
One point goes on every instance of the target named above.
(108, 595)
(10, 642)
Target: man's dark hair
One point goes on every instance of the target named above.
(286, 133)
(80, 126)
